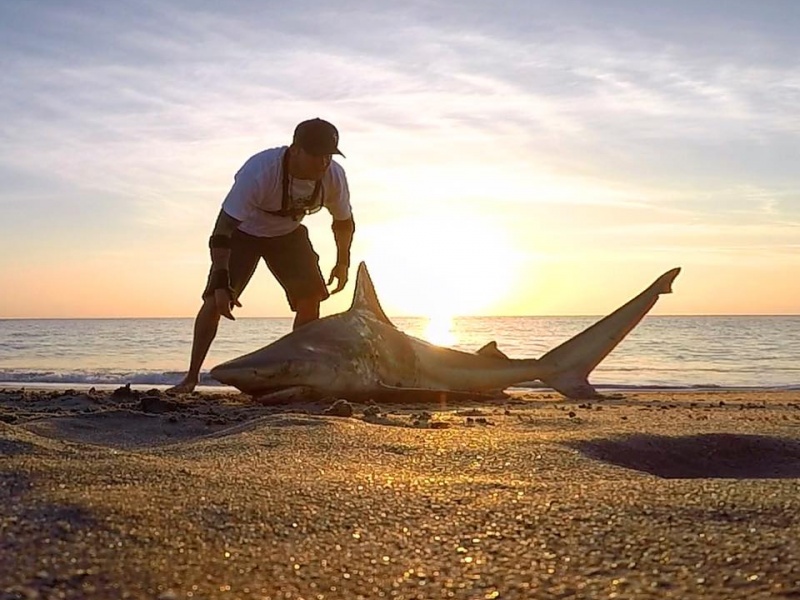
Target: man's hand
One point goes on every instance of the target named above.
(223, 297)
(339, 272)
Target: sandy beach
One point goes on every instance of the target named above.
(134, 494)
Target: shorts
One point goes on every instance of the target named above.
(290, 258)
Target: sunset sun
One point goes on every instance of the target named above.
(440, 268)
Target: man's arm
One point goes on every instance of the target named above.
(220, 241)
(343, 234)
(343, 231)
(220, 245)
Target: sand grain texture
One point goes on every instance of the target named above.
(134, 494)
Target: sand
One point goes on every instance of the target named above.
(132, 494)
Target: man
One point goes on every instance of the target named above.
(261, 218)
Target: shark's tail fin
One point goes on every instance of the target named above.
(569, 364)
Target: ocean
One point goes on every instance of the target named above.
(761, 352)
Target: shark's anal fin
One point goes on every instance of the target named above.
(365, 297)
(568, 366)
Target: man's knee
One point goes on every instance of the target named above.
(308, 308)
(208, 311)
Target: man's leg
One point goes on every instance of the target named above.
(307, 311)
(205, 330)
(295, 265)
(242, 264)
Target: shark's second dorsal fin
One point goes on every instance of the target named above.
(492, 350)
(365, 298)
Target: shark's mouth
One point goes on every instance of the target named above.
(286, 392)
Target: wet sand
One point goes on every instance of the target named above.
(134, 494)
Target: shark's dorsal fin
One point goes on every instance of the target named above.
(491, 350)
(365, 298)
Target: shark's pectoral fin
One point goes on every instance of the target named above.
(289, 395)
(389, 394)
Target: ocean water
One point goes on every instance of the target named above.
(673, 352)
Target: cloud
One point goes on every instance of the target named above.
(664, 128)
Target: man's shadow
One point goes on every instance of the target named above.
(711, 455)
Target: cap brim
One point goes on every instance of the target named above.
(323, 152)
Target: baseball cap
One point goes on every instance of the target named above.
(317, 137)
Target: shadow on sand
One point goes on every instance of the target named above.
(12, 485)
(713, 455)
(9, 448)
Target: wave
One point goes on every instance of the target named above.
(103, 377)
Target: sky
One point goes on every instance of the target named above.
(514, 157)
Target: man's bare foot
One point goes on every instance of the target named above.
(184, 387)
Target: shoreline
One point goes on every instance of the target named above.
(16, 386)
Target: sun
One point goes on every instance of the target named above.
(439, 330)
(440, 267)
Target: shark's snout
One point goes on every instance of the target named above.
(253, 374)
(230, 374)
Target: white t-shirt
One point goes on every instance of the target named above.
(258, 187)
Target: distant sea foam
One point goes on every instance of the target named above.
(662, 352)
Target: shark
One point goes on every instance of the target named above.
(360, 355)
